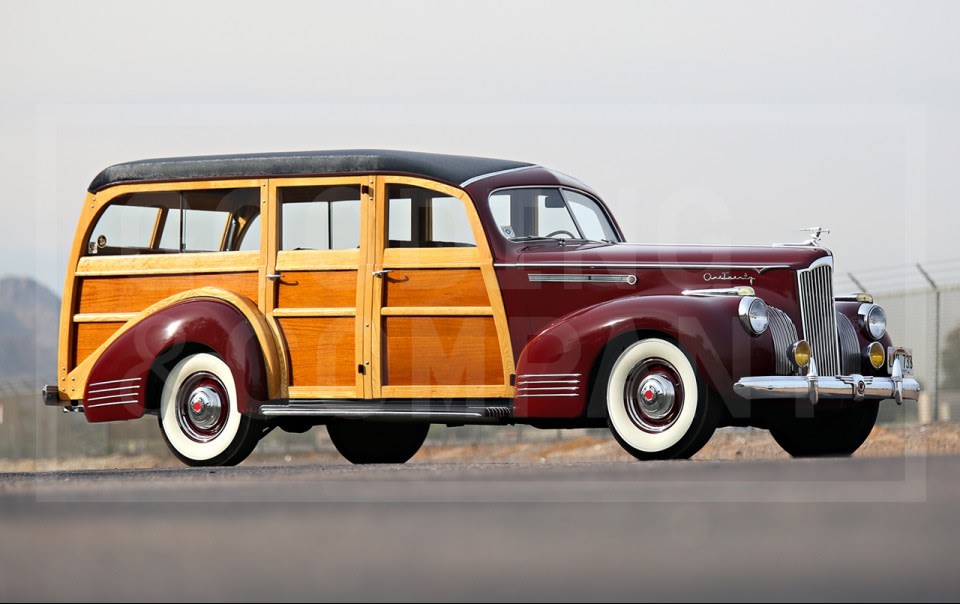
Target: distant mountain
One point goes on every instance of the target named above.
(29, 326)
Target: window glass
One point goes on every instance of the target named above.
(419, 217)
(590, 216)
(320, 218)
(541, 212)
(158, 222)
(250, 237)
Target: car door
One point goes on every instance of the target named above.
(439, 328)
(314, 282)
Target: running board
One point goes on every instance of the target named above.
(391, 411)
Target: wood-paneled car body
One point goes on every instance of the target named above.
(377, 292)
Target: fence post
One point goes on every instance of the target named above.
(936, 329)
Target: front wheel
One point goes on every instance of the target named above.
(377, 442)
(833, 433)
(657, 407)
(199, 418)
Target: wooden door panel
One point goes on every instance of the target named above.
(435, 287)
(322, 350)
(317, 289)
(453, 351)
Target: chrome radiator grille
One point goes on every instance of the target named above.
(784, 335)
(819, 318)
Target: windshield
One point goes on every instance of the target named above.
(549, 212)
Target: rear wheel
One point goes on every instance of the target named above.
(199, 418)
(377, 442)
(829, 433)
(657, 407)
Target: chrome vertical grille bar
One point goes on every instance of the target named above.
(819, 316)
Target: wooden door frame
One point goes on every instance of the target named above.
(314, 260)
(419, 258)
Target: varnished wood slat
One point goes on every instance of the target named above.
(489, 391)
(440, 311)
(346, 311)
(322, 351)
(439, 257)
(169, 264)
(316, 260)
(89, 337)
(427, 351)
(435, 287)
(300, 289)
(133, 294)
(104, 317)
(322, 392)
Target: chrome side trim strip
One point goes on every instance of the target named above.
(726, 291)
(97, 384)
(644, 266)
(470, 181)
(108, 396)
(582, 278)
(547, 388)
(538, 382)
(118, 388)
(111, 404)
(541, 395)
(548, 375)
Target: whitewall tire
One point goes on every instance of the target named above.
(657, 407)
(199, 417)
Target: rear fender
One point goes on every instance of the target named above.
(118, 383)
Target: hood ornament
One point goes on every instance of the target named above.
(816, 232)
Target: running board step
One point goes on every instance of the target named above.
(390, 411)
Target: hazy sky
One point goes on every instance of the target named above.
(697, 122)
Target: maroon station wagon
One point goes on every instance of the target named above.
(378, 292)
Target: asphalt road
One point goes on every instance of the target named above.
(879, 529)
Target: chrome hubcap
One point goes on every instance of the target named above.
(202, 406)
(205, 407)
(653, 395)
(657, 396)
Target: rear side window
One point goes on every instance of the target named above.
(320, 218)
(170, 222)
(419, 217)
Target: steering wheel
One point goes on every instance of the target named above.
(561, 232)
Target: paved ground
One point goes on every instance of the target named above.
(865, 528)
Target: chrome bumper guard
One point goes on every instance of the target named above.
(814, 387)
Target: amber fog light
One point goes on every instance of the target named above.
(800, 353)
(874, 352)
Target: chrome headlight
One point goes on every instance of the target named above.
(872, 320)
(753, 315)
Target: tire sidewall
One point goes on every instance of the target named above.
(624, 428)
(183, 445)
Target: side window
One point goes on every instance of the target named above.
(320, 218)
(163, 222)
(418, 217)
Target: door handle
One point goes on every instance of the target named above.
(379, 274)
(274, 276)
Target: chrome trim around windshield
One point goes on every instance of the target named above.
(582, 278)
(651, 265)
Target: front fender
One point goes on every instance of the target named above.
(119, 381)
(572, 347)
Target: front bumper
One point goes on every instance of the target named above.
(814, 387)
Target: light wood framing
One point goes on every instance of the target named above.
(329, 328)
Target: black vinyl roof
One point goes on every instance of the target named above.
(454, 169)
